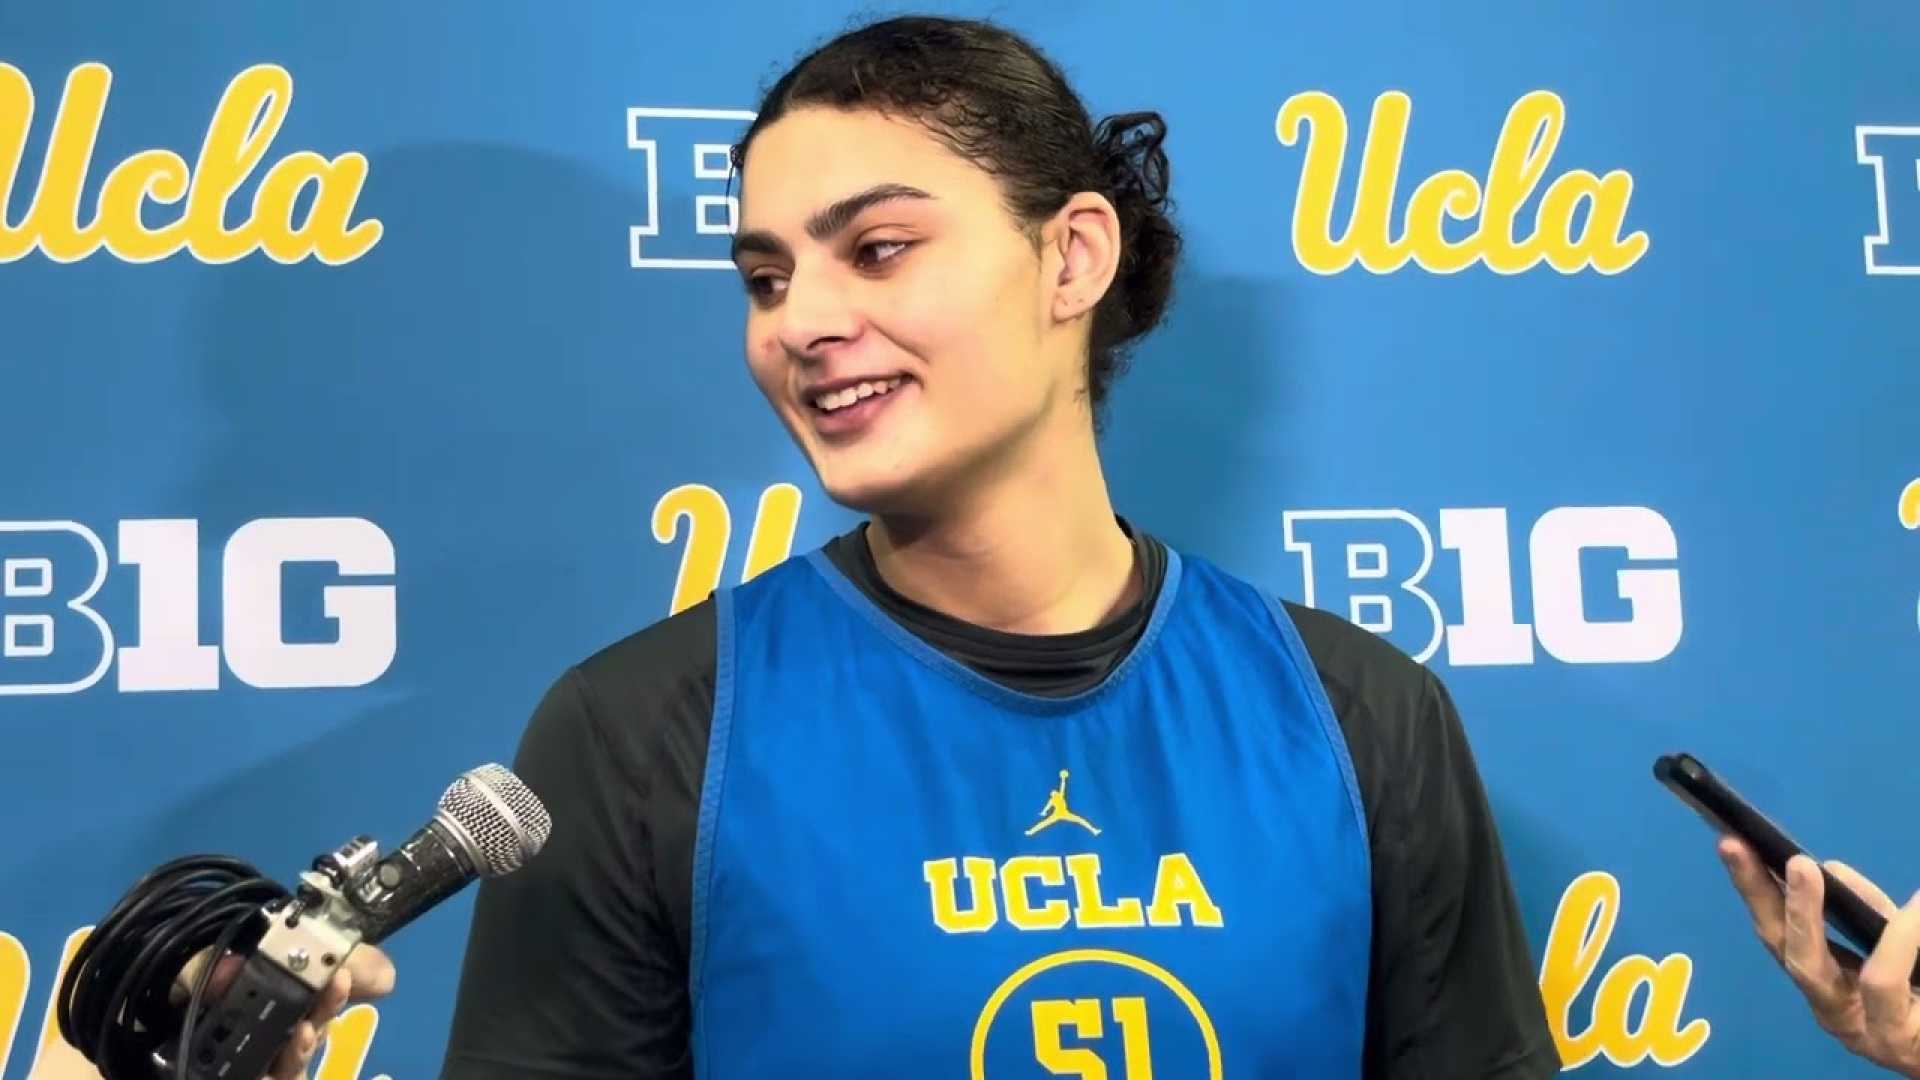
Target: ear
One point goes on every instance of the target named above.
(1084, 241)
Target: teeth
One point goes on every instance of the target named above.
(840, 399)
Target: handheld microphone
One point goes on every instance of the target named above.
(488, 825)
(114, 1004)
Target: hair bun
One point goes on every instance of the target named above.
(1130, 149)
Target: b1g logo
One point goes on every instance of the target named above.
(1894, 155)
(1370, 566)
(1521, 155)
(53, 641)
(689, 213)
(248, 117)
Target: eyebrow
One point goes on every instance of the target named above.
(826, 222)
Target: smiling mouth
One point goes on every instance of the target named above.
(832, 401)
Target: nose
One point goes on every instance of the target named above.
(816, 313)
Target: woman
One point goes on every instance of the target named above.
(996, 783)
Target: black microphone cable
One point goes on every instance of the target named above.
(120, 1009)
(120, 1005)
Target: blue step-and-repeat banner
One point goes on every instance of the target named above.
(364, 365)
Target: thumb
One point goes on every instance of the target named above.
(373, 973)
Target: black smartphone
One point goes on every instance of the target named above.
(1727, 812)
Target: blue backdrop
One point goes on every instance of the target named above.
(1620, 447)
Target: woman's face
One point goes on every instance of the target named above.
(900, 323)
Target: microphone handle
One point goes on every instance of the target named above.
(431, 866)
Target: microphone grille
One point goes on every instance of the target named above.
(505, 820)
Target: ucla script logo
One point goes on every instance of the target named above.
(1520, 158)
(244, 124)
(1910, 517)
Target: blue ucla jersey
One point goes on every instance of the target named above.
(904, 869)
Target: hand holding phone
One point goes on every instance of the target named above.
(1724, 809)
(1870, 1007)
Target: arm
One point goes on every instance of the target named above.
(1460, 996)
(1452, 990)
(570, 969)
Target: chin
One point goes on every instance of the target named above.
(868, 495)
(872, 490)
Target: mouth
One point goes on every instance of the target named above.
(846, 407)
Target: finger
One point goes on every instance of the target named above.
(331, 1000)
(292, 1062)
(1849, 961)
(373, 973)
(1758, 889)
(1805, 954)
(183, 982)
(1866, 890)
(223, 975)
(1886, 991)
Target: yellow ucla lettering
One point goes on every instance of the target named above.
(941, 875)
(1179, 884)
(249, 115)
(325, 235)
(54, 1054)
(1090, 912)
(1015, 874)
(1581, 928)
(54, 214)
(710, 531)
(15, 970)
(157, 175)
(16, 112)
(1909, 508)
(1521, 155)
(349, 1039)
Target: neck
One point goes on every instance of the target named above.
(1036, 552)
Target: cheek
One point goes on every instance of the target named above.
(957, 316)
(766, 362)
(981, 330)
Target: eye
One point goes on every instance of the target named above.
(765, 287)
(875, 253)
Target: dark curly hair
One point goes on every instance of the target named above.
(993, 98)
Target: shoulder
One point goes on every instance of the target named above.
(1392, 711)
(672, 656)
(1379, 694)
(1357, 665)
(644, 702)
(1358, 668)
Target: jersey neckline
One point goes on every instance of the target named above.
(978, 684)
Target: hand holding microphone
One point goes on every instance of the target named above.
(288, 961)
(367, 975)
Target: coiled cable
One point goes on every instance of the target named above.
(116, 1003)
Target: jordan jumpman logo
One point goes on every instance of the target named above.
(1056, 810)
